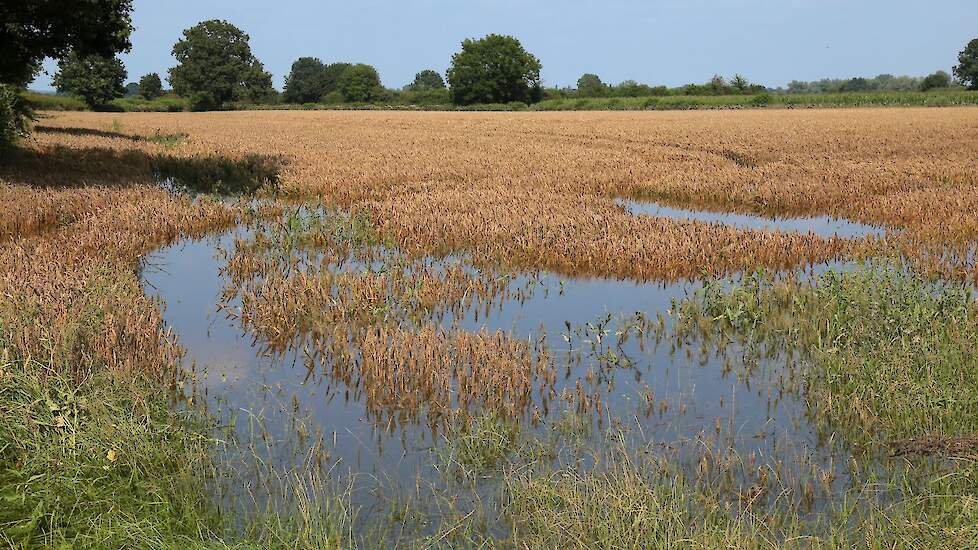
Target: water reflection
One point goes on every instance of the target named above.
(604, 342)
(823, 226)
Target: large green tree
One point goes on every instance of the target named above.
(331, 78)
(967, 68)
(150, 86)
(306, 82)
(360, 83)
(427, 79)
(590, 85)
(494, 69)
(94, 78)
(215, 66)
(31, 30)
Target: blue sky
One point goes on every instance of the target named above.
(670, 42)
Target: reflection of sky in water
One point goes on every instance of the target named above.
(823, 226)
(229, 365)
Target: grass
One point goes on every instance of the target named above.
(618, 508)
(892, 353)
(95, 464)
(51, 102)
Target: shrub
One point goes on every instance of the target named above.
(333, 98)
(15, 115)
(203, 101)
(761, 99)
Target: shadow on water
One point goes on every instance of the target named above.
(608, 342)
(822, 226)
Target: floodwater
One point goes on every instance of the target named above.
(823, 226)
(679, 399)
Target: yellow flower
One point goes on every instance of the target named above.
(112, 456)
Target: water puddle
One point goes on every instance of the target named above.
(822, 226)
(604, 356)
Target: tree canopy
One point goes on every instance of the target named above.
(427, 79)
(590, 85)
(215, 66)
(360, 83)
(150, 86)
(494, 69)
(939, 79)
(306, 82)
(967, 67)
(34, 29)
(95, 79)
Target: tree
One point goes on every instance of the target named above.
(35, 29)
(857, 84)
(306, 82)
(360, 83)
(215, 66)
(427, 79)
(132, 88)
(940, 79)
(494, 69)
(717, 84)
(150, 86)
(967, 68)
(740, 83)
(331, 78)
(93, 78)
(590, 85)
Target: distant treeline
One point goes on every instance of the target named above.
(216, 69)
(880, 83)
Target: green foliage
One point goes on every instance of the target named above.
(879, 83)
(15, 116)
(934, 81)
(97, 80)
(739, 83)
(331, 76)
(94, 464)
(892, 354)
(306, 82)
(967, 68)
(623, 507)
(333, 98)
(35, 29)
(425, 80)
(494, 69)
(678, 102)
(360, 83)
(216, 66)
(53, 102)
(150, 86)
(590, 85)
(168, 103)
(203, 101)
(132, 89)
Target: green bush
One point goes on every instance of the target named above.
(15, 116)
(203, 101)
(761, 99)
(332, 98)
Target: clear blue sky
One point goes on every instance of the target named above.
(670, 42)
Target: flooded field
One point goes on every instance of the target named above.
(502, 330)
(599, 357)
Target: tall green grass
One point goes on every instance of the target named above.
(51, 102)
(95, 464)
